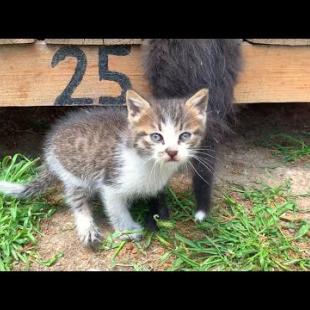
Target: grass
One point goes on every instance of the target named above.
(290, 147)
(245, 233)
(19, 219)
(248, 229)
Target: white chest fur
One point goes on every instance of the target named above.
(142, 177)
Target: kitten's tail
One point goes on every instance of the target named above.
(38, 186)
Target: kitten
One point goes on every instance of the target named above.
(179, 67)
(119, 155)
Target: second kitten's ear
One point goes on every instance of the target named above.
(199, 101)
(135, 104)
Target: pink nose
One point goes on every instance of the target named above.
(171, 153)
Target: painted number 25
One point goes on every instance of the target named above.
(104, 74)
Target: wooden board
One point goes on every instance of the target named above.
(94, 41)
(289, 42)
(16, 41)
(122, 41)
(28, 78)
(274, 74)
(75, 41)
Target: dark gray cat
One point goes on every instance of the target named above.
(177, 68)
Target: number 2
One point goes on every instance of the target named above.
(65, 97)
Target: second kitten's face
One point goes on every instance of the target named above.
(167, 131)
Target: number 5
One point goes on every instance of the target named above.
(105, 74)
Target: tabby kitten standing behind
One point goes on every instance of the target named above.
(119, 155)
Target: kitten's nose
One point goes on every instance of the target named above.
(172, 153)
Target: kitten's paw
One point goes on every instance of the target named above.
(150, 223)
(90, 236)
(164, 213)
(131, 236)
(133, 232)
(200, 216)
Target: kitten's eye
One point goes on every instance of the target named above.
(185, 136)
(156, 137)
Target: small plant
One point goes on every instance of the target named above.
(290, 148)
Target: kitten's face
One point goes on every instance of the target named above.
(167, 131)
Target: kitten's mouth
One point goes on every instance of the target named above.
(174, 160)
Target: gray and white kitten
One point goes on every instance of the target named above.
(119, 155)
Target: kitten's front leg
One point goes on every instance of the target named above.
(118, 212)
(203, 178)
(157, 206)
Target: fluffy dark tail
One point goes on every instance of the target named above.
(38, 186)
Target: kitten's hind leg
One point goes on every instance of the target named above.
(203, 174)
(117, 209)
(77, 199)
(157, 206)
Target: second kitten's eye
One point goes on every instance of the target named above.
(156, 137)
(185, 136)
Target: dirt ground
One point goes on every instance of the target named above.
(243, 160)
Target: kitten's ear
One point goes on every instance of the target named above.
(135, 104)
(199, 101)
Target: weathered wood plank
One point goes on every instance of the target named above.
(75, 41)
(290, 42)
(28, 79)
(16, 41)
(274, 74)
(270, 74)
(94, 41)
(122, 41)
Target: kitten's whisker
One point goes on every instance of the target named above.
(198, 173)
(153, 169)
(203, 149)
(204, 154)
(204, 164)
(202, 157)
(187, 171)
(210, 170)
(207, 160)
